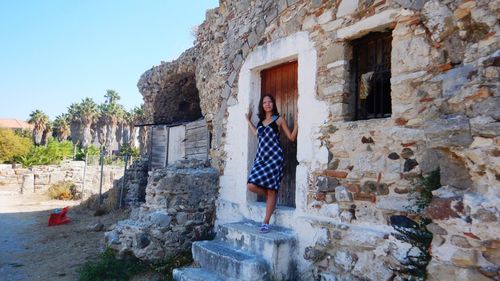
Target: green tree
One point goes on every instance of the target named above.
(140, 117)
(112, 114)
(39, 120)
(61, 126)
(88, 112)
(13, 146)
(75, 122)
(112, 96)
(137, 117)
(47, 133)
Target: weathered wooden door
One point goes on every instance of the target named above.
(281, 82)
(159, 146)
(176, 144)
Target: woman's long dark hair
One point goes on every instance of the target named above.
(262, 113)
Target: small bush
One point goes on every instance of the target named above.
(90, 150)
(109, 267)
(166, 266)
(128, 150)
(64, 191)
(53, 153)
(429, 183)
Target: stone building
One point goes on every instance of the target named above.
(398, 142)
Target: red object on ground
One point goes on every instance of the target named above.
(59, 218)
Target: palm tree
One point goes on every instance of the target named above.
(46, 133)
(61, 127)
(112, 96)
(101, 125)
(75, 122)
(39, 120)
(88, 113)
(137, 117)
(126, 128)
(112, 112)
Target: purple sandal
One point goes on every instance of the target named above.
(265, 228)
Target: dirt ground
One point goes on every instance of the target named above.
(30, 250)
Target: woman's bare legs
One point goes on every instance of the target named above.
(255, 189)
(270, 204)
(270, 196)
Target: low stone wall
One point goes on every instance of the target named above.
(39, 178)
(179, 209)
(11, 175)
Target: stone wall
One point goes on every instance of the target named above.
(179, 209)
(445, 104)
(10, 175)
(136, 180)
(39, 178)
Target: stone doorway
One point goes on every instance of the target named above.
(241, 145)
(281, 82)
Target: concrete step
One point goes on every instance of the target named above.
(276, 247)
(221, 258)
(197, 274)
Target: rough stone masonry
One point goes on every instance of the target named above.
(179, 209)
(366, 176)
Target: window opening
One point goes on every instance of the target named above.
(371, 66)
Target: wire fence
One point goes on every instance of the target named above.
(114, 161)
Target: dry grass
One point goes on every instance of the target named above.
(110, 202)
(64, 190)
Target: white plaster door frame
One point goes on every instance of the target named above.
(312, 113)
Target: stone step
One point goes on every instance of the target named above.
(222, 259)
(197, 274)
(276, 247)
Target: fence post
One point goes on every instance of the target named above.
(84, 172)
(123, 180)
(100, 181)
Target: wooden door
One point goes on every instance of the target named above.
(281, 82)
(159, 146)
(176, 144)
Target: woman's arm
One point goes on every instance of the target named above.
(291, 136)
(252, 127)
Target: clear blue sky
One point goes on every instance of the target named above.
(56, 52)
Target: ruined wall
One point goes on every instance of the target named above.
(179, 209)
(169, 90)
(136, 180)
(445, 113)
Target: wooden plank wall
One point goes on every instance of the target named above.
(197, 140)
(159, 146)
(189, 141)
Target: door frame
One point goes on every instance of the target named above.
(240, 144)
(286, 194)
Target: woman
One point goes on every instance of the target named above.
(267, 170)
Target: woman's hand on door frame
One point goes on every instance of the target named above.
(248, 116)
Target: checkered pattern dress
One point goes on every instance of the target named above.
(267, 170)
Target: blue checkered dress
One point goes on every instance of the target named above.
(267, 170)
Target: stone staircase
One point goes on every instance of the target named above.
(240, 252)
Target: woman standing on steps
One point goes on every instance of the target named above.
(267, 170)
